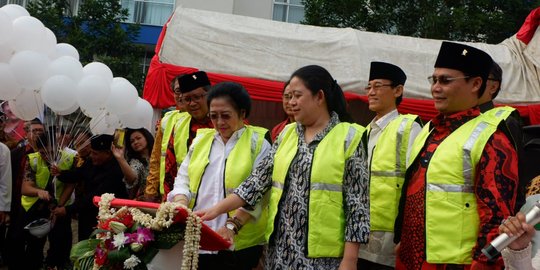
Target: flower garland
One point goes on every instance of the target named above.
(164, 219)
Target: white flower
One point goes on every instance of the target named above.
(131, 262)
(119, 240)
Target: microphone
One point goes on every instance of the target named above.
(498, 244)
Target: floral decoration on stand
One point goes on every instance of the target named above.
(127, 238)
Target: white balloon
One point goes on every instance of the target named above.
(66, 65)
(69, 110)
(10, 87)
(6, 52)
(48, 45)
(14, 11)
(27, 105)
(58, 92)
(64, 49)
(140, 117)
(113, 120)
(98, 125)
(29, 68)
(93, 112)
(123, 97)
(99, 69)
(92, 92)
(6, 27)
(28, 34)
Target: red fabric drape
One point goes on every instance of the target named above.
(527, 30)
(158, 93)
(157, 86)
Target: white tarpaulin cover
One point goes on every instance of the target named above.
(271, 50)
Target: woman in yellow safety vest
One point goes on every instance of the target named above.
(317, 178)
(218, 161)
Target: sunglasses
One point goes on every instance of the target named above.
(194, 98)
(376, 86)
(216, 116)
(444, 79)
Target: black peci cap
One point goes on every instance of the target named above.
(192, 81)
(382, 70)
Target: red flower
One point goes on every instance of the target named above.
(100, 256)
(126, 218)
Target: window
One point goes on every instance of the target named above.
(288, 11)
(16, 2)
(152, 12)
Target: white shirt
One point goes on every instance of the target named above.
(211, 189)
(5, 178)
(380, 248)
(377, 126)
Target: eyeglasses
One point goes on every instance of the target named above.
(194, 98)
(216, 116)
(493, 79)
(444, 79)
(376, 86)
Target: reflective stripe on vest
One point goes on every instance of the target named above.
(326, 216)
(40, 167)
(387, 172)
(452, 220)
(502, 112)
(179, 123)
(238, 167)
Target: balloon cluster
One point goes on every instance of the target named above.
(36, 72)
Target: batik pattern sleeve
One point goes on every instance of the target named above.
(260, 180)
(152, 180)
(29, 174)
(356, 197)
(496, 183)
(5, 178)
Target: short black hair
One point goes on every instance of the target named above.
(495, 74)
(235, 92)
(43, 141)
(130, 152)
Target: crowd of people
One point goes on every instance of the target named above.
(318, 191)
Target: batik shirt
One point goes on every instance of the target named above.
(495, 186)
(288, 245)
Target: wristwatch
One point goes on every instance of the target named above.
(231, 227)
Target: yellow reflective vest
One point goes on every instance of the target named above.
(40, 167)
(237, 168)
(451, 216)
(173, 123)
(326, 217)
(387, 172)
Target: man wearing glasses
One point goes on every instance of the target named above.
(512, 121)
(387, 161)
(175, 133)
(462, 180)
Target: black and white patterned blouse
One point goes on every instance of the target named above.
(288, 245)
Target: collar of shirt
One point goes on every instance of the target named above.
(454, 121)
(484, 107)
(382, 122)
(334, 120)
(234, 137)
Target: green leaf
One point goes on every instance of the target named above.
(148, 254)
(83, 248)
(119, 255)
(86, 263)
(168, 238)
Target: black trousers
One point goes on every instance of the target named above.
(26, 251)
(367, 265)
(60, 241)
(245, 259)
